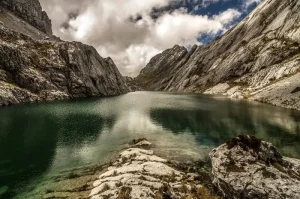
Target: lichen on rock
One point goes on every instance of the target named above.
(247, 167)
(138, 173)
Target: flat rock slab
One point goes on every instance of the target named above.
(138, 173)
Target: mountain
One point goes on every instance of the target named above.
(37, 66)
(30, 11)
(258, 59)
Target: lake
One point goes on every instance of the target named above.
(39, 140)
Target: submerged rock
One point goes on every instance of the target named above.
(249, 168)
(3, 190)
(138, 173)
(135, 173)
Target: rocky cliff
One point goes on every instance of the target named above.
(30, 11)
(36, 69)
(258, 59)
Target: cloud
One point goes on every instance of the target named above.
(248, 3)
(227, 17)
(127, 32)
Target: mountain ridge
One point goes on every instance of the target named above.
(30, 11)
(258, 59)
(37, 66)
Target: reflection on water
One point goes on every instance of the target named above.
(39, 140)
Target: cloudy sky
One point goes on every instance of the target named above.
(133, 31)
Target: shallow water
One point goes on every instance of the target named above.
(39, 140)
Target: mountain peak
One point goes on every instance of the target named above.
(260, 54)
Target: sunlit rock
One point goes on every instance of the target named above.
(37, 66)
(138, 173)
(260, 54)
(246, 167)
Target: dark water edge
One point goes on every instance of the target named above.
(41, 140)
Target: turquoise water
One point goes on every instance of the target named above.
(38, 140)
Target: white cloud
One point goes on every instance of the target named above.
(248, 3)
(110, 27)
(227, 16)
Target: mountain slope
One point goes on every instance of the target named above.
(30, 11)
(258, 59)
(36, 66)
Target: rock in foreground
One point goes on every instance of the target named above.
(138, 173)
(247, 167)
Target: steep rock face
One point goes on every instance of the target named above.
(12, 22)
(261, 53)
(249, 168)
(153, 76)
(37, 66)
(132, 84)
(35, 70)
(31, 12)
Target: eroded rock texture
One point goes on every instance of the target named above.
(259, 59)
(36, 66)
(139, 174)
(135, 174)
(30, 11)
(249, 168)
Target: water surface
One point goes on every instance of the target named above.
(39, 140)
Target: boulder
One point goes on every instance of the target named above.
(249, 168)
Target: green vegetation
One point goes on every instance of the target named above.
(3, 190)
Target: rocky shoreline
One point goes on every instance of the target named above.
(138, 173)
(244, 167)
